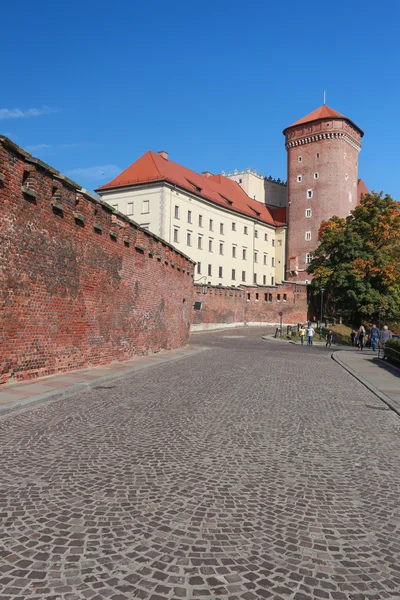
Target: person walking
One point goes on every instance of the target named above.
(302, 334)
(385, 335)
(361, 337)
(310, 333)
(353, 338)
(374, 336)
(329, 338)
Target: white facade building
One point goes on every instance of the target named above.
(233, 239)
(272, 192)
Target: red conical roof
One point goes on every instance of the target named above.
(322, 112)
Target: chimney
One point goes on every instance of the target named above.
(207, 174)
(163, 154)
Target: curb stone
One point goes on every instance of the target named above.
(388, 401)
(77, 387)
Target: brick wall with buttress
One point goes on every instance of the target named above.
(80, 285)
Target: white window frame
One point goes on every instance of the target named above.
(200, 242)
(188, 238)
(176, 211)
(307, 236)
(299, 178)
(189, 216)
(221, 248)
(176, 235)
(129, 209)
(198, 268)
(309, 194)
(234, 248)
(299, 159)
(145, 204)
(308, 258)
(200, 220)
(316, 175)
(308, 213)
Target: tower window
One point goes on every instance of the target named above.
(308, 259)
(317, 154)
(308, 235)
(308, 213)
(299, 159)
(316, 175)
(299, 178)
(309, 193)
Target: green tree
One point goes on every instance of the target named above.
(358, 259)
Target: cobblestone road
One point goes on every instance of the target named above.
(251, 470)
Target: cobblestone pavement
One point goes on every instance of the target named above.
(251, 470)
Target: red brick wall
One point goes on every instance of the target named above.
(337, 168)
(228, 306)
(79, 285)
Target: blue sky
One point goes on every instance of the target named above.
(90, 86)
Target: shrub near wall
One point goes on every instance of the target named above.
(79, 284)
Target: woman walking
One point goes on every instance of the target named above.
(361, 337)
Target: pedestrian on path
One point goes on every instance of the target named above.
(361, 337)
(374, 335)
(385, 335)
(310, 333)
(302, 334)
(329, 338)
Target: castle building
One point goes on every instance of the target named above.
(244, 228)
(234, 239)
(322, 174)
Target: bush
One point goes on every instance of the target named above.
(392, 352)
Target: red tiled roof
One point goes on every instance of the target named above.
(361, 189)
(322, 112)
(220, 190)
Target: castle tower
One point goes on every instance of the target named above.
(322, 180)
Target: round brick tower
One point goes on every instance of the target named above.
(322, 181)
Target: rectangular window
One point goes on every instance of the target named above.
(245, 230)
(221, 247)
(265, 259)
(316, 175)
(144, 225)
(243, 275)
(189, 216)
(265, 237)
(221, 228)
(233, 251)
(211, 225)
(270, 295)
(255, 277)
(255, 233)
(309, 193)
(299, 159)
(233, 274)
(210, 245)
(209, 270)
(188, 239)
(200, 220)
(145, 207)
(265, 297)
(273, 241)
(198, 268)
(278, 297)
(308, 235)
(285, 297)
(317, 154)
(308, 259)
(257, 296)
(255, 257)
(130, 208)
(176, 235)
(248, 296)
(272, 280)
(264, 280)
(233, 226)
(272, 261)
(308, 213)
(298, 178)
(244, 254)
(200, 242)
(220, 272)
(176, 213)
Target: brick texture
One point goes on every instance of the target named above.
(80, 285)
(228, 306)
(333, 159)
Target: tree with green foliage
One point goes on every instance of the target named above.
(358, 259)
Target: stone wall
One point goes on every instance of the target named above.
(230, 307)
(80, 285)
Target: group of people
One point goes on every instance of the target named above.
(308, 332)
(362, 339)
